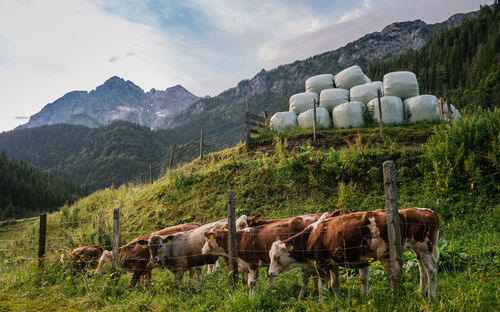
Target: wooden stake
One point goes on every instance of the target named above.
(42, 237)
(314, 124)
(380, 112)
(393, 221)
(171, 157)
(450, 113)
(116, 238)
(232, 244)
(150, 173)
(201, 144)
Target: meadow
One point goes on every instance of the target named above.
(454, 171)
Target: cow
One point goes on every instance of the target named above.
(354, 239)
(134, 258)
(254, 244)
(84, 256)
(180, 252)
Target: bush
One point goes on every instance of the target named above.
(466, 157)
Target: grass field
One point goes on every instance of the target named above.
(279, 180)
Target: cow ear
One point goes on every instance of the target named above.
(335, 213)
(143, 241)
(277, 238)
(167, 239)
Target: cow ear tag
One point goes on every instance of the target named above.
(290, 247)
(210, 238)
(257, 220)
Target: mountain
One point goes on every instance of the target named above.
(116, 99)
(221, 117)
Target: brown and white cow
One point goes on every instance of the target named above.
(134, 257)
(254, 244)
(352, 239)
(182, 251)
(84, 256)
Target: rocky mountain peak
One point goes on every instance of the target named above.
(115, 99)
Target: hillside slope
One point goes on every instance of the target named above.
(284, 183)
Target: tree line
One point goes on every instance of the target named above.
(27, 191)
(465, 58)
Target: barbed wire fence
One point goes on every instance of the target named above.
(20, 250)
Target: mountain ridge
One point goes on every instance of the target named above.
(115, 99)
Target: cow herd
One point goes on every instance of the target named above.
(317, 243)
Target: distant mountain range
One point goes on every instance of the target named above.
(116, 99)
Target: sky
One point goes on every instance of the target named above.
(51, 47)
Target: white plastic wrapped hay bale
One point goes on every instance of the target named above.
(301, 102)
(284, 121)
(350, 77)
(330, 98)
(318, 83)
(366, 92)
(402, 84)
(454, 112)
(348, 115)
(392, 109)
(306, 119)
(422, 107)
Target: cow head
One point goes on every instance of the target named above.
(281, 260)
(216, 240)
(105, 259)
(158, 246)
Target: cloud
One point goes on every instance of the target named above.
(117, 58)
(21, 117)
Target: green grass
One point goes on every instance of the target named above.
(277, 180)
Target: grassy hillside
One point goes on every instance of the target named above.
(455, 173)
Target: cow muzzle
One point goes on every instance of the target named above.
(155, 260)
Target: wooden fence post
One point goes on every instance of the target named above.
(393, 221)
(380, 112)
(450, 113)
(314, 121)
(116, 238)
(232, 265)
(266, 117)
(247, 128)
(150, 173)
(42, 238)
(201, 144)
(171, 157)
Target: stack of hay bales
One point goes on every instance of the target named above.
(343, 99)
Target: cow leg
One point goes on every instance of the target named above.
(244, 277)
(136, 276)
(334, 276)
(423, 275)
(305, 281)
(191, 275)
(179, 273)
(363, 276)
(253, 277)
(387, 268)
(431, 268)
(209, 269)
(146, 279)
(199, 272)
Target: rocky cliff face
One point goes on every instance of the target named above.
(116, 99)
